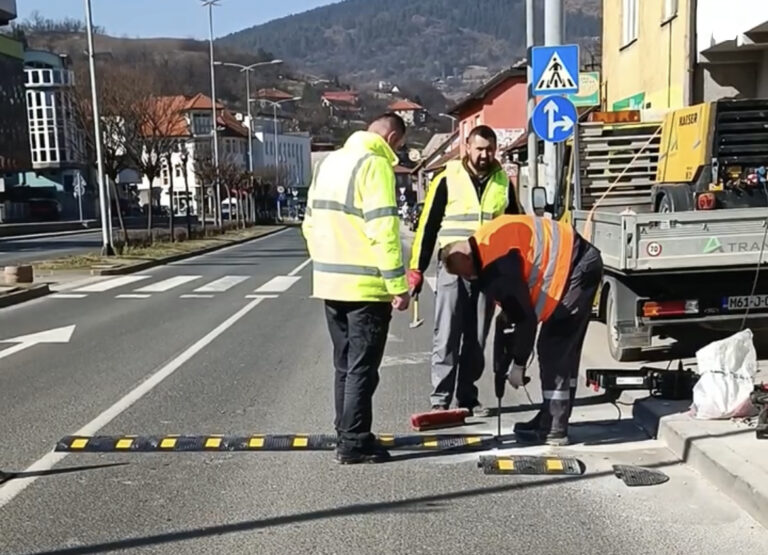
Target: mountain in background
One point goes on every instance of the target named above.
(368, 40)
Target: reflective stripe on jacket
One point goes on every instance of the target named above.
(465, 213)
(545, 247)
(351, 225)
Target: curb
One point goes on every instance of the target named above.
(26, 294)
(727, 455)
(141, 266)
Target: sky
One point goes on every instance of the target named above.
(169, 18)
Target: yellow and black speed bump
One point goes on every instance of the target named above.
(265, 442)
(523, 464)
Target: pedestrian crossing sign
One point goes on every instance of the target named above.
(555, 69)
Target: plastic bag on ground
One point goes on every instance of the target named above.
(726, 369)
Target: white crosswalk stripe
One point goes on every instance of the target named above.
(102, 286)
(279, 284)
(195, 296)
(133, 296)
(167, 284)
(222, 284)
(67, 296)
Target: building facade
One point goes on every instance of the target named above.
(666, 54)
(291, 153)
(500, 104)
(411, 112)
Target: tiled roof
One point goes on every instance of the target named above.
(273, 94)
(404, 106)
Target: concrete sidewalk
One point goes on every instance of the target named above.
(725, 452)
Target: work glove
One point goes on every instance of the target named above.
(516, 375)
(415, 281)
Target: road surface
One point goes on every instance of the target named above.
(33, 249)
(231, 343)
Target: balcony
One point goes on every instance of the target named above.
(49, 78)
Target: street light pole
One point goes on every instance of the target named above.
(553, 36)
(533, 142)
(106, 247)
(214, 123)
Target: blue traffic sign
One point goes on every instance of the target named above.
(554, 118)
(555, 69)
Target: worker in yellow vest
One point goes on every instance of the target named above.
(353, 237)
(465, 195)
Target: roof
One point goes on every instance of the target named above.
(172, 123)
(404, 106)
(273, 94)
(349, 97)
(516, 71)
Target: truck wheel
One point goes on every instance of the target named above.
(665, 205)
(621, 354)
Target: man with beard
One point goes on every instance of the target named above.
(467, 194)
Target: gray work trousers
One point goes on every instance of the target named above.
(462, 320)
(561, 340)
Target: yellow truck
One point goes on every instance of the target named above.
(677, 209)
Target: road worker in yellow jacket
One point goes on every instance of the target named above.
(468, 193)
(353, 236)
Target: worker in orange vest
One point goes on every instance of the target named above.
(539, 271)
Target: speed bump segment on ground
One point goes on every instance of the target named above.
(524, 464)
(260, 442)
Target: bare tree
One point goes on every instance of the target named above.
(205, 172)
(157, 124)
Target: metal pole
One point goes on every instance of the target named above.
(216, 192)
(106, 247)
(277, 159)
(553, 36)
(533, 143)
(250, 134)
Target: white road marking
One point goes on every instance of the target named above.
(278, 284)
(222, 284)
(167, 284)
(133, 296)
(67, 296)
(406, 359)
(14, 487)
(110, 284)
(195, 296)
(300, 267)
(262, 296)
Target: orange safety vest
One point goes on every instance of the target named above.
(546, 250)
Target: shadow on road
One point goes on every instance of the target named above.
(6, 476)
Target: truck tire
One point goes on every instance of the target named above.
(665, 205)
(620, 354)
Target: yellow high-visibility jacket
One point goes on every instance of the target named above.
(351, 224)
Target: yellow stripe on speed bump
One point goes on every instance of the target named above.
(256, 442)
(79, 443)
(430, 442)
(386, 439)
(212, 442)
(300, 441)
(168, 443)
(554, 464)
(506, 464)
(124, 443)
(473, 440)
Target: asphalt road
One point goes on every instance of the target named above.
(167, 359)
(33, 249)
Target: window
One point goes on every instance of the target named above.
(670, 10)
(629, 21)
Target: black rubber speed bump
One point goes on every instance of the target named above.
(639, 476)
(257, 442)
(524, 464)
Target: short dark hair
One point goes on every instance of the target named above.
(393, 120)
(483, 131)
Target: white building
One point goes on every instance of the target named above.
(290, 152)
(56, 141)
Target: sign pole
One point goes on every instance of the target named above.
(553, 36)
(533, 143)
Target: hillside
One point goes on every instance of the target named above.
(400, 39)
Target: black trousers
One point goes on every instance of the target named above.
(562, 337)
(359, 334)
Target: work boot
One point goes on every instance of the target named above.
(480, 411)
(539, 437)
(372, 454)
(436, 408)
(531, 425)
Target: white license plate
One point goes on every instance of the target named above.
(745, 301)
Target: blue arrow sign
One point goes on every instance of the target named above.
(555, 69)
(554, 118)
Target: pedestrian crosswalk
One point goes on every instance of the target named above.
(138, 287)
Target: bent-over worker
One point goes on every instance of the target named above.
(465, 195)
(353, 236)
(539, 270)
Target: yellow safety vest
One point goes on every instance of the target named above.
(464, 213)
(351, 223)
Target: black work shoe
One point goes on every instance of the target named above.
(530, 426)
(436, 408)
(375, 454)
(542, 437)
(480, 411)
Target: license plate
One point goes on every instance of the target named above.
(742, 302)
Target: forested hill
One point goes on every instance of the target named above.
(396, 39)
